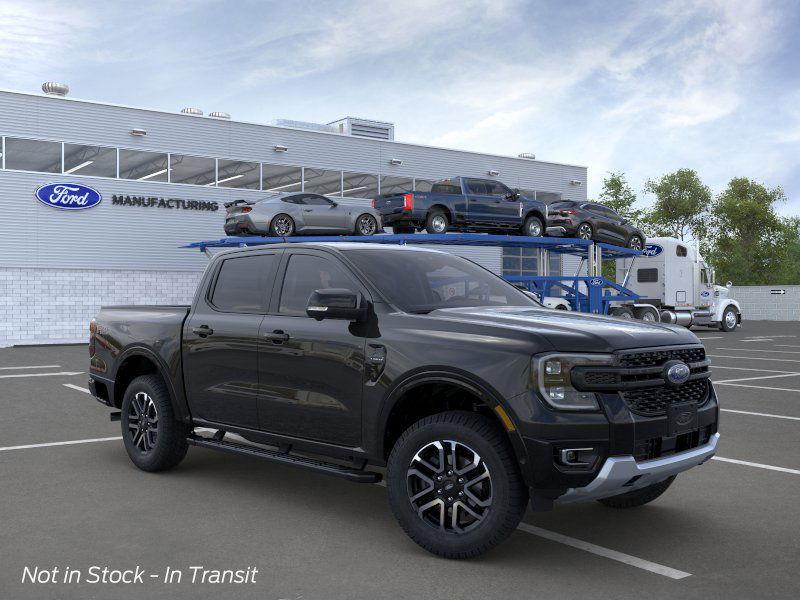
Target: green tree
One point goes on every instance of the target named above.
(681, 205)
(749, 243)
(618, 195)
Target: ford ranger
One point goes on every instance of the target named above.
(464, 204)
(345, 358)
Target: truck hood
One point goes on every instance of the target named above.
(573, 332)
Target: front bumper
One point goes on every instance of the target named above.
(622, 474)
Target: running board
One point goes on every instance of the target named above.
(349, 473)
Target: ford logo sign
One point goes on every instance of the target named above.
(652, 250)
(705, 294)
(677, 373)
(595, 281)
(68, 196)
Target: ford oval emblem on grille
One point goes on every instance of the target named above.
(684, 418)
(677, 373)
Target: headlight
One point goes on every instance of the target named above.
(552, 378)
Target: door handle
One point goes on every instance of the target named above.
(203, 330)
(308, 210)
(278, 336)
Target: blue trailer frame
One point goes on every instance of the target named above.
(588, 293)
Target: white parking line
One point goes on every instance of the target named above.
(751, 350)
(754, 358)
(31, 367)
(787, 346)
(711, 337)
(77, 387)
(758, 387)
(67, 443)
(758, 465)
(639, 563)
(756, 414)
(758, 340)
(750, 369)
(40, 374)
(754, 378)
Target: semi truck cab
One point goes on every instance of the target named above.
(676, 286)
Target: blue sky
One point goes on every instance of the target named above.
(641, 87)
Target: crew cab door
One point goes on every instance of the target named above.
(487, 203)
(311, 372)
(221, 338)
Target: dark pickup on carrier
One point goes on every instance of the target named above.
(340, 357)
(464, 204)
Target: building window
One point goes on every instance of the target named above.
(525, 261)
(96, 161)
(396, 185)
(237, 174)
(280, 178)
(143, 166)
(33, 155)
(359, 185)
(194, 170)
(321, 181)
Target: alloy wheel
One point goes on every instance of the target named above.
(367, 225)
(585, 232)
(439, 223)
(534, 228)
(143, 421)
(635, 243)
(449, 486)
(730, 319)
(283, 226)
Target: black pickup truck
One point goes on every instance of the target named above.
(464, 204)
(343, 358)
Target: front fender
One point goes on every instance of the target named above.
(725, 303)
(485, 392)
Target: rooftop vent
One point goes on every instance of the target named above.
(303, 125)
(219, 115)
(51, 88)
(192, 111)
(527, 155)
(377, 130)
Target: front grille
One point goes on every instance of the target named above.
(653, 401)
(656, 358)
(601, 378)
(657, 447)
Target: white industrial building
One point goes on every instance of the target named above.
(163, 178)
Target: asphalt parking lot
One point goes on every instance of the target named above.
(728, 529)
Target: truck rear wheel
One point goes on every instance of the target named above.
(454, 484)
(436, 222)
(638, 497)
(154, 439)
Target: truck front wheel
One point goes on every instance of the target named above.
(638, 497)
(154, 439)
(729, 319)
(454, 484)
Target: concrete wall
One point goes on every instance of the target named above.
(760, 304)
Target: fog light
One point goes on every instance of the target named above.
(577, 457)
(557, 393)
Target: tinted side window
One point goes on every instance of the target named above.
(294, 199)
(317, 200)
(681, 251)
(495, 188)
(445, 187)
(476, 186)
(647, 275)
(305, 274)
(243, 283)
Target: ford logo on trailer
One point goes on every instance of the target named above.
(596, 281)
(68, 196)
(652, 250)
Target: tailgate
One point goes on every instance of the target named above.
(391, 203)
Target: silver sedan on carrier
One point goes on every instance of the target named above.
(287, 214)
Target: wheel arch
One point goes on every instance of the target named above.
(535, 212)
(432, 391)
(444, 208)
(723, 306)
(139, 360)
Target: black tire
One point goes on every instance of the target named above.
(276, 226)
(507, 499)
(729, 323)
(433, 223)
(650, 315)
(403, 229)
(584, 231)
(162, 445)
(638, 497)
(366, 225)
(533, 227)
(622, 312)
(635, 242)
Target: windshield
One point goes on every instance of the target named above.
(419, 282)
